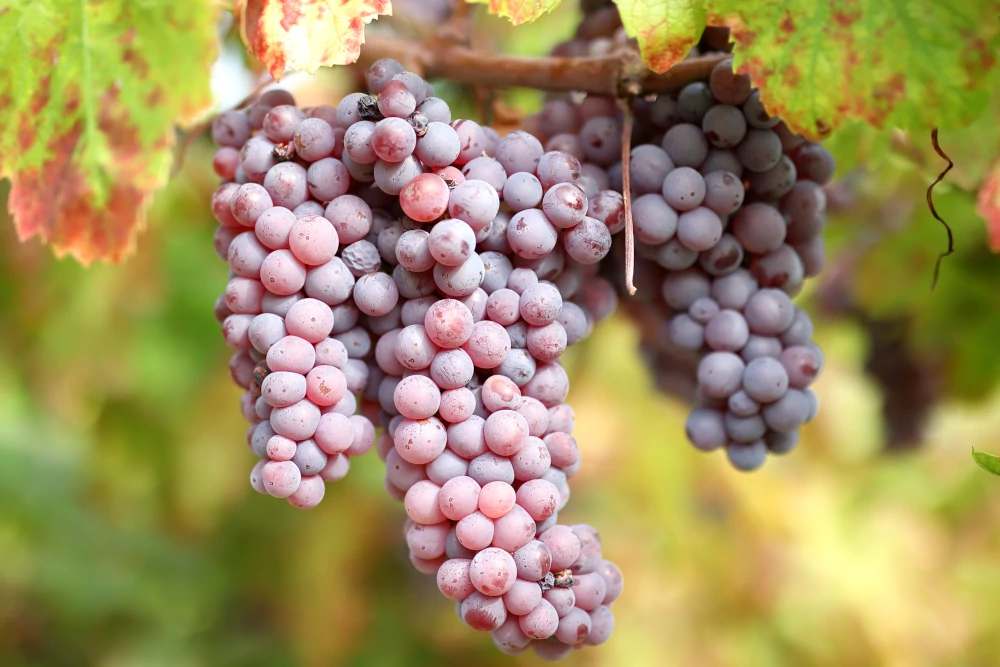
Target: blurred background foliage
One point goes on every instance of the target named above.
(129, 535)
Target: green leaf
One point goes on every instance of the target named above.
(666, 29)
(915, 65)
(89, 94)
(518, 11)
(987, 462)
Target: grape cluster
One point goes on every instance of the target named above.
(727, 207)
(429, 274)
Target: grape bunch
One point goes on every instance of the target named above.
(428, 274)
(727, 207)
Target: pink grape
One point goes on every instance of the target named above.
(336, 469)
(257, 477)
(574, 627)
(466, 437)
(533, 561)
(564, 546)
(513, 530)
(506, 432)
(282, 389)
(421, 503)
(475, 202)
(334, 433)
(475, 531)
(351, 217)
(309, 494)
(509, 639)
(313, 240)
(541, 622)
(452, 369)
(453, 579)
(563, 600)
(500, 393)
(414, 348)
(297, 421)
(531, 462)
(482, 612)
(236, 331)
(452, 242)
(459, 497)
(496, 499)
(280, 448)
(457, 405)
(502, 307)
(246, 255)
(282, 273)
(281, 478)
(539, 498)
(447, 466)
(364, 435)
(493, 571)
(243, 295)
(402, 474)
(249, 202)
(413, 251)
(425, 198)
(448, 323)
(420, 441)
(488, 344)
(460, 281)
(531, 235)
(325, 385)
(286, 183)
(426, 565)
(393, 139)
(590, 590)
(417, 397)
(291, 353)
(427, 541)
(375, 294)
(309, 319)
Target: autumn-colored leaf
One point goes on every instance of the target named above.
(988, 205)
(666, 29)
(89, 94)
(818, 64)
(519, 11)
(306, 34)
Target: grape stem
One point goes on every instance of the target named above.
(603, 75)
(626, 109)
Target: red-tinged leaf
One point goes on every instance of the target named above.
(519, 11)
(89, 95)
(988, 205)
(820, 64)
(666, 29)
(306, 34)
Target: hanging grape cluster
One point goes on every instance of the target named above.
(393, 266)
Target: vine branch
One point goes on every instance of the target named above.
(603, 75)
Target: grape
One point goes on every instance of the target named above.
(741, 405)
(361, 257)
(684, 189)
(314, 139)
(779, 442)
(655, 222)
(747, 457)
(649, 165)
(281, 389)
(331, 283)
(588, 242)
(425, 198)
(351, 218)
(462, 280)
(457, 405)
(427, 542)
(358, 142)
(381, 72)
(334, 433)
(393, 139)
(565, 205)
(396, 100)
(452, 369)
(221, 209)
(436, 110)
(722, 160)
(297, 421)
(421, 503)
(724, 126)
(439, 146)
(802, 365)
(601, 140)
(522, 190)
(327, 179)
(744, 430)
(282, 274)
(286, 183)
(722, 258)
(249, 202)
(683, 288)
(414, 348)
(472, 139)
(313, 240)
(231, 129)
(417, 397)
(513, 530)
(375, 294)
(759, 228)
(685, 332)
(257, 158)
(416, 85)
(392, 177)
(760, 150)
(727, 331)
(280, 448)
(488, 169)
(482, 612)
(519, 152)
(281, 478)
(720, 374)
(724, 192)
(769, 312)
(556, 167)
(779, 268)
(776, 181)
(446, 467)
(760, 346)
(814, 163)
(519, 366)
(674, 256)
(756, 115)
(531, 235)
(308, 208)
(686, 145)
(226, 162)
(451, 242)
(497, 269)
(474, 201)
(693, 101)
(309, 458)
(280, 123)
(608, 207)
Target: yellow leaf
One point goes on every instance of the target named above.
(666, 29)
(519, 11)
(306, 34)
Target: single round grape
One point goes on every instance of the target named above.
(327, 179)
(513, 530)
(281, 389)
(436, 110)
(720, 374)
(446, 467)
(601, 140)
(674, 256)
(727, 331)
(396, 100)
(727, 86)
(413, 251)
(815, 163)
(693, 101)
(439, 146)
(781, 268)
(760, 150)
(706, 429)
(723, 258)
(281, 478)
(314, 139)
(686, 145)
(462, 280)
(421, 503)
(747, 457)
(482, 612)
(722, 159)
(769, 312)
(334, 433)
(519, 151)
(392, 177)
(451, 242)
(776, 181)
(685, 332)
(427, 542)
(375, 294)
(588, 242)
(488, 169)
(393, 139)
(565, 205)
(351, 217)
(724, 192)
(724, 126)
(522, 190)
(742, 405)
(313, 240)
(452, 369)
(744, 430)
(287, 185)
(414, 348)
(358, 142)
(760, 346)
(683, 288)
(331, 283)
(417, 397)
(380, 73)
(282, 274)
(297, 421)
(531, 235)
(755, 113)
(802, 364)
(425, 198)
(472, 138)
(474, 201)
(231, 129)
(699, 229)
(781, 442)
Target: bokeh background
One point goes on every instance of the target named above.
(130, 537)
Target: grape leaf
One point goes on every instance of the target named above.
(306, 34)
(912, 65)
(666, 29)
(987, 462)
(519, 11)
(988, 205)
(89, 93)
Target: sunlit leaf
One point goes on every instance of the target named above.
(666, 29)
(987, 462)
(306, 34)
(519, 11)
(914, 65)
(89, 93)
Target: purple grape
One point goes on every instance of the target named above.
(686, 145)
